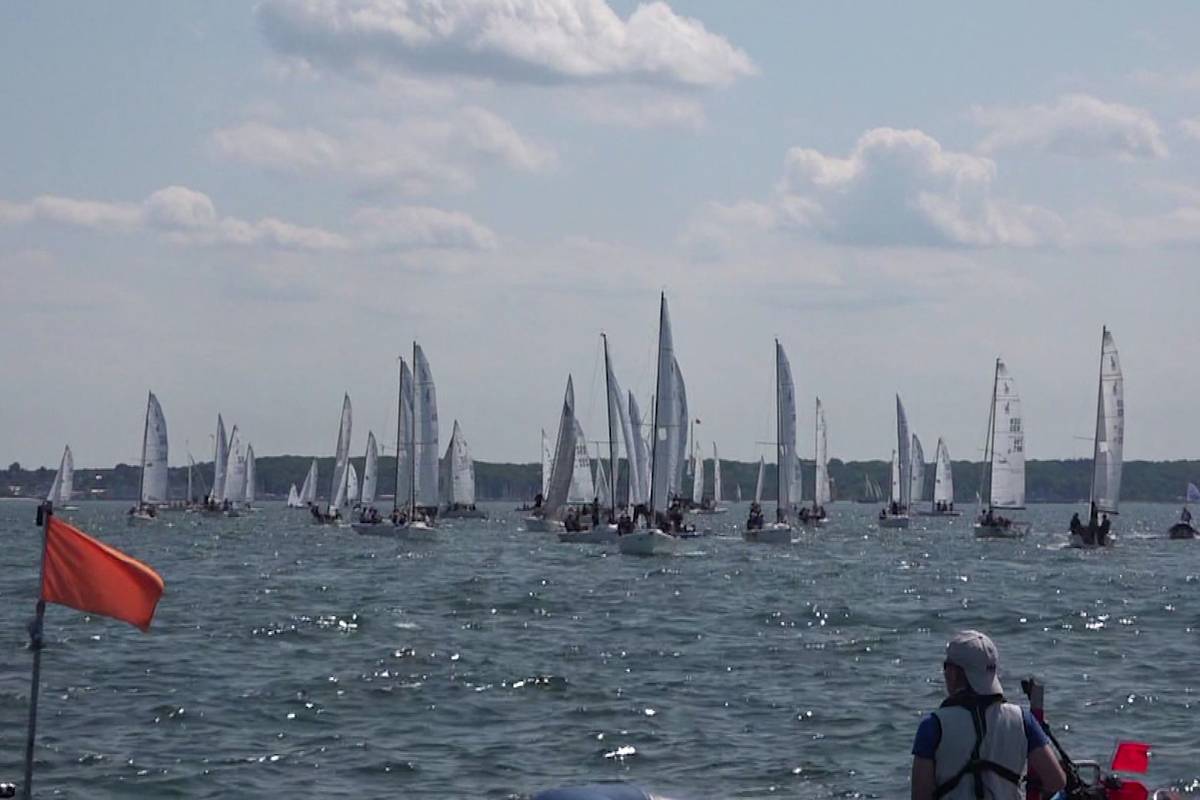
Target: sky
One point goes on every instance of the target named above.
(251, 209)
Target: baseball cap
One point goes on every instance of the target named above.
(976, 653)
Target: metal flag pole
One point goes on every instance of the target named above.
(44, 512)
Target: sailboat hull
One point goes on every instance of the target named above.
(463, 513)
(1014, 530)
(775, 533)
(542, 525)
(1181, 530)
(605, 534)
(896, 522)
(647, 543)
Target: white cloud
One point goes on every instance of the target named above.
(1191, 128)
(416, 155)
(186, 216)
(1076, 125)
(530, 41)
(900, 187)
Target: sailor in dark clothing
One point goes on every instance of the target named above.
(1076, 525)
(1102, 533)
(595, 512)
(537, 500)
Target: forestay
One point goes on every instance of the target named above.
(426, 444)
(1110, 429)
(1008, 445)
(154, 454)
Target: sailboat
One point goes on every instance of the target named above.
(425, 440)
(235, 480)
(152, 488)
(712, 505)
(896, 513)
(352, 486)
(193, 503)
(545, 518)
(340, 485)
(64, 482)
(212, 504)
(308, 490)
(822, 492)
(1183, 529)
(1004, 461)
(942, 504)
(779, 531)
(872, 492)
(459, 478)
(1107, 450)
(404, 496)
(667, 450)
(293, 498)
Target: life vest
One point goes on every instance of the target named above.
(982, 751)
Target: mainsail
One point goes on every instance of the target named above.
(370, 471)
(563, 466)
(679, 445)
(822, 492)
(460, 469)
(667, 421)
(1110, 429)
(943, 477)
(583, 488)
(426, 439)
(220, 461)
(603, 492)
(404, 439)
(154, 454)
(918, 470)
(341, 459)
(352, 486)
(235, 479)
(547, 464)
(785, 430)
(249, 474)
(64, 480)
(697, 478)
(1007, 462)
(618, 419)
(895, 478)
(716, 475)
(758, 483)
(641, 455)
(902, 480)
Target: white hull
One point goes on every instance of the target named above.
(1015, 530)
(605, 534)
(647, 543)
(775, 533)
(896, 521)
(140, 517)
(542, 525)
(1076, 541)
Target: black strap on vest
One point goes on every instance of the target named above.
(976, 766)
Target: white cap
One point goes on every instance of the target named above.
(976, 654)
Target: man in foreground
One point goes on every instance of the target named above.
(976, 745)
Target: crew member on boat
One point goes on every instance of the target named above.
(1185, 516)
(755, 521)
(976, 744)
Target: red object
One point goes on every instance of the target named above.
(88, 575)
(1128, 790)
(1131, 757)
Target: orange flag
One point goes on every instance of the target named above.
(88, 575)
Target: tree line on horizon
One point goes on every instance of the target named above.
(1047, 481)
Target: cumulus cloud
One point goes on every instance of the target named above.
(1076, 125)
(528, 41)
(186, 216)
(901, 187)
(416, 156)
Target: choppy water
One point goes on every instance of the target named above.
(291, 660)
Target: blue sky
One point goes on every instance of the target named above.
(253, 208)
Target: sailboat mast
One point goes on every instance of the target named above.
(816, 433)
(399, 431)
(412, 484)
(612, 436)
(145, 438)
(778, 438)
(1099, 412)
(990, 445)
(662, 307)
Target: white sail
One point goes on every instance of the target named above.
(426, 443)
(1110, 429)
(370, 471)
(697, 478)
(341, 458)
(785, 429)
(563, 466)
(154, 454)
(352, 485)
(583, 488)
(895, 477)
(758, 484)
(220, 461)
(917, 477)
(618, 420)
(667, 421)
(822, 493)
(547, 464)
(404, 439)
(902, 493)
(64, 480)
(1008, 444)
(308, 491)
(250, 494)
(235, 478)
(716, 475)
(943, 476)
(641, 454)
(293, 500)
(679, 449)
(460, 469)
(603, 490)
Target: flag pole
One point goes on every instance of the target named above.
(44, 512)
